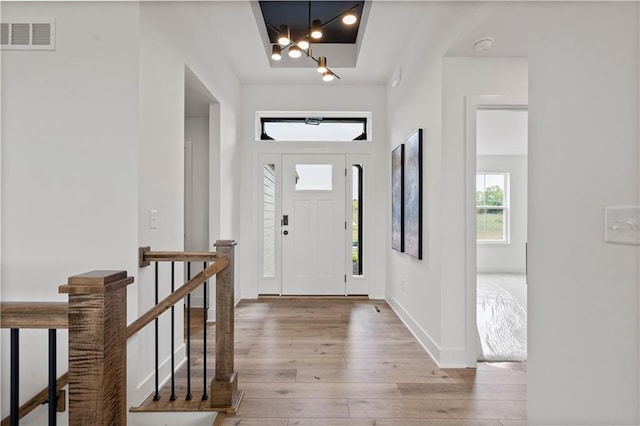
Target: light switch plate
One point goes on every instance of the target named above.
(153, 219)
(622, 225)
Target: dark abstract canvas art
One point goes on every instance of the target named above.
(397, 236)
(413, 195)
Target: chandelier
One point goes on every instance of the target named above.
(301, 46)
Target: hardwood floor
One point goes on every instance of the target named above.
(339, 362)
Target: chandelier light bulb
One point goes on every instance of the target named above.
(349, 18)
(284, 35)
(276, 52)
(295, 52)
(327, 76)
(322, 64)
(304, 44)
(316, 29)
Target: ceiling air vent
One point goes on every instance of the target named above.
(4, 33)
(28, 34)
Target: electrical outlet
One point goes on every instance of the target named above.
(622, 225)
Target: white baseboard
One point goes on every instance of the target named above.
(418, 332)
(183, 418)
(444, 357)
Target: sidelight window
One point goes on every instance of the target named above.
(356, 212)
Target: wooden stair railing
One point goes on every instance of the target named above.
(37, 315)
(225, 396)
(96, 318)
(177, 295)
(97, 347)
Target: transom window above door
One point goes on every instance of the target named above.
(314, 127)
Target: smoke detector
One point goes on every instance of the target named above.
(483, 44)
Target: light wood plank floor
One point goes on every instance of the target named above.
(340, 362)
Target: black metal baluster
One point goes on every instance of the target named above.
(189, 395)
(53, 399)
(204, 338)
(156, 397)
(14, 410)
(173, 396)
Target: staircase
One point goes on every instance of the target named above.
(96, 318)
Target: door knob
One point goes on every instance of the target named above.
(286, 232)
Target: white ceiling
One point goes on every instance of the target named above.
(505, 22)
(389, 27)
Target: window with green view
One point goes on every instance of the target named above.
(492, 207)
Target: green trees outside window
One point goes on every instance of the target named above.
(491, 208)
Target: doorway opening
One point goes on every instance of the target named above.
(201, 142)
(501, 232)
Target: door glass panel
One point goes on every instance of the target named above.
(356, 213)
(314, 177)
(269, 215)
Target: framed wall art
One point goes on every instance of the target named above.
(397, 194)
(412, 200)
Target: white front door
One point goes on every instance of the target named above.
(313, 224)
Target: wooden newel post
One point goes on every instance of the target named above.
(97, 348)
(224, 387)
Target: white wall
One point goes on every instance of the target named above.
(335, 96)
(499, 257)
(430, 295)
(414, 287)
(92, 139)
(165, 49)
(197, 131)
(583, 149)
(197, 203)
(69, 164)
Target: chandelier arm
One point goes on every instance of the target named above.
(308, 51)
